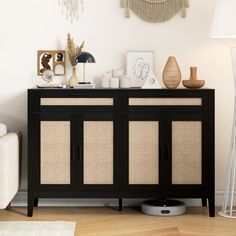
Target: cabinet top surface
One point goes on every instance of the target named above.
(120, 89)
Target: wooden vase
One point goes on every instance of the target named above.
(171, 74)
(193, 82)
(73, 79)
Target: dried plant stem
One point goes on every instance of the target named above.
(73, 50)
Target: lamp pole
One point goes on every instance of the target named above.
(223, 26)
(84, 73)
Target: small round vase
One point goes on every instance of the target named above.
(73, 79)
(171, 74)
(193, 82)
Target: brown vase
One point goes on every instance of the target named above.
(171, 74)
(193, 82)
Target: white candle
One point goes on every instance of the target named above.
(106, 81)
(118, 73)
(114, 83)
(124, 82)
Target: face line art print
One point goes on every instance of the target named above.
(141, 69)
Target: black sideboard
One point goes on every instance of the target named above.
(121, 143)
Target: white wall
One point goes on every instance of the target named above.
(27, 26)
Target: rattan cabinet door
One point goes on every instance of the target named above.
(55, 154)
(143, 152)
(98, 162)
(186, 152)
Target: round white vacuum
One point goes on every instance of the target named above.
(163, 207)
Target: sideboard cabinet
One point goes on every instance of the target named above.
(129, 143)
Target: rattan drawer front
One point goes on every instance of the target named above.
(187, 152)
(143, 152)
(165, 102)
(98, 152)
(55, 152)
(76, 102)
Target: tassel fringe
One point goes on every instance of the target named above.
(155, 10)
(127, 8)
(122, 3)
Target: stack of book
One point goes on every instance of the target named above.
(86, 85)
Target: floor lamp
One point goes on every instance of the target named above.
(224, 26)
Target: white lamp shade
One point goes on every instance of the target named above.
(224, 22)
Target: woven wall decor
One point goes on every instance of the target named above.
(155, 10)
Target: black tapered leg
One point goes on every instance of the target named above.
(36, 202)
(211, 202)
(120, 204)
(30, 204)
(204, 202)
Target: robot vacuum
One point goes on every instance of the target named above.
(163, 207)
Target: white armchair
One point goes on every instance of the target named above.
(9, 166)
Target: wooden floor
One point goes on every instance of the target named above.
(130, 222)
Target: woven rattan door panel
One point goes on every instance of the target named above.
(165, 102)
(98, 152)
(55, 152)
(186, 152)
(76, 102)
(143, 152)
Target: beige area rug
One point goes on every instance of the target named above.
(39, 228)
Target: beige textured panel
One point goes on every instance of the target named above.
(98, 152)
(55, 152)
(143, 152)
(186, 152)
(76, 101)
(165, 101)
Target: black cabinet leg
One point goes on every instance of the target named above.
(36, 202)
(120, 204)
(211, 202)
(204, 201)
(30, 204)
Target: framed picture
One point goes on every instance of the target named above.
(52, 60)
(139, 65)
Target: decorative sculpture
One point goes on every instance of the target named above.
(45, 62)
(155, 10)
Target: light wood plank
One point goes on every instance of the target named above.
(130, 222)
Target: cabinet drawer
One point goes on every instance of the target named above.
(76, 102)
(165, 101)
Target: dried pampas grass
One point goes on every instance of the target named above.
(73, 50)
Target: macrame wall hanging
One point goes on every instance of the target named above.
(155, 10)
(71, 8)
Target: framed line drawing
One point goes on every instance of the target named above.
(139, 65)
